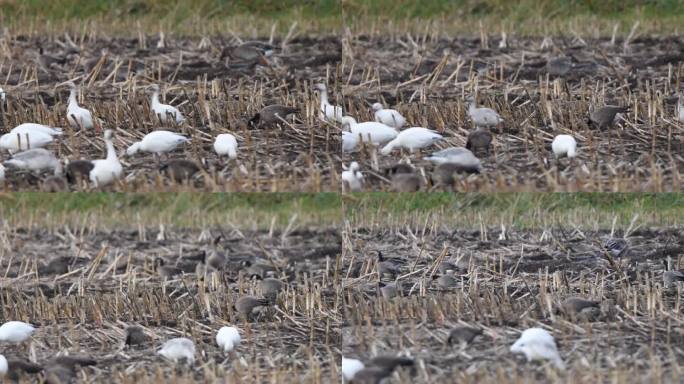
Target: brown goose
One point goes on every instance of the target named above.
(271, 115)
(605, 117)
(179, 170)
(135, 335)
(463, 335)
(246, 304)
(479, 140)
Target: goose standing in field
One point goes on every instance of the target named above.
(331, 113)
(538, 344)
(178, 349)
(271, 115)
(14, 142)
(157, 142)
(350, 367)
(135, 336)
(180, 170)
(671, 276)
(459, 156)
(412, 139)
(245, 305)
(77, 116)
(564, 145)
(605, 117)
(482, 117)
(164, 112)
(37, 159)
(376, 133)
(352, 178)
(226, 145)
(463, 335)
(479, 140)
(389, 117)
(16, 331)
(228, 338)
(36, 128)
(617, 247)
(106, 170)
(349, 142)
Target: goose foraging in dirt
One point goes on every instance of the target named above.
(247, 304)
(331, 113)
(228, 338)
(564, 145)
(538, 344)
(479, 140)
(106, 170)
(77, 116)
(463, 334)
(36, 128)
(37, 160)
(16, 331)
(389, 117)
(157, 142)
(177, 349)
(164, 112)
(226, 145)
(606, 116)
(482, 117)
(412, 139)
(271, 115)
(350, 367)
(180, 170)
(459, 156)
(371, 131)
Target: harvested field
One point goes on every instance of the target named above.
(215, 95)
(427, 77)
(509, 278)
(83, 285)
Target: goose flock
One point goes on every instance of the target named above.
(26, 145)
(179, 350)
(389, 134)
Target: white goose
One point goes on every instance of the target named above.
(352, 177)
(390, 117)
(77, 116)
(36, 128)
(3, 361)
(482, 117)
(457, 155)
(14, 142)
(2, 173)
(328, 112)
(36, 159)
(228, 338)
(178, 349)
(106, 170)
(350, 367)
(16, 331)
(349, 141)
(538, 344)
(226, 145)
(376, 133)
(2, 95)
(164, 112)
(412, 139)
(564, 145)
(157, 142)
